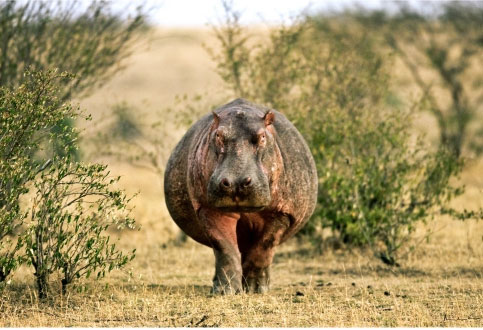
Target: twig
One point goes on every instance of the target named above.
(461, 319)
(203, 319)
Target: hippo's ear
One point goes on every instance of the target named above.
(216, 120)
(268, 118)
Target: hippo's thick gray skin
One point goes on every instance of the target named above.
(242, 181)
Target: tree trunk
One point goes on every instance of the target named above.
(64, 286)
(42, 285)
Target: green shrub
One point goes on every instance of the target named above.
(27, 116)
(63, 229)
(376, 180)
(73, 207)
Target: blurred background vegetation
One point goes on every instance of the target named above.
(389, 101)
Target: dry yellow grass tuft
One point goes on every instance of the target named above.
(439, 284)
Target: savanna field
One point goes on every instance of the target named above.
(438, 284)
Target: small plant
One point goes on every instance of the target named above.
(73, 208)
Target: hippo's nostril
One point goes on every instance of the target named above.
(247, 182)
(225, 183)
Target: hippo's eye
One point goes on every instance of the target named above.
(219, 142)
(259, 139)
(219, 136)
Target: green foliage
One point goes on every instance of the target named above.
(376, 181)
(125, 126)
(89, 42)
(27, 116)
(441, 47)
(64, 227)
(35, 122)
(73, 207)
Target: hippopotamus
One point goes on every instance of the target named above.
(242, 181)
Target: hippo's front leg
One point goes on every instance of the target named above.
(256, 279)
(220, 229)
(257, 257)
(228, 272)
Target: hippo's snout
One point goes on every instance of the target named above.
(242, 193)
(240, 186)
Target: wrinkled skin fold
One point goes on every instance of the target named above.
(241, 181)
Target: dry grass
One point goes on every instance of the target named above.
(439, 284)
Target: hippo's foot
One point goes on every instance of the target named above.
(228, 275)
(257, 280)
(221, 285)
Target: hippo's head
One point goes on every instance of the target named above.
(246, 159)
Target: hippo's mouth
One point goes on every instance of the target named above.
(239, 204)
(240, 208)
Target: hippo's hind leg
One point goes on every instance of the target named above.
(258, 252)
(220, 229)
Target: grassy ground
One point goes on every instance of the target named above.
(439, 284)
